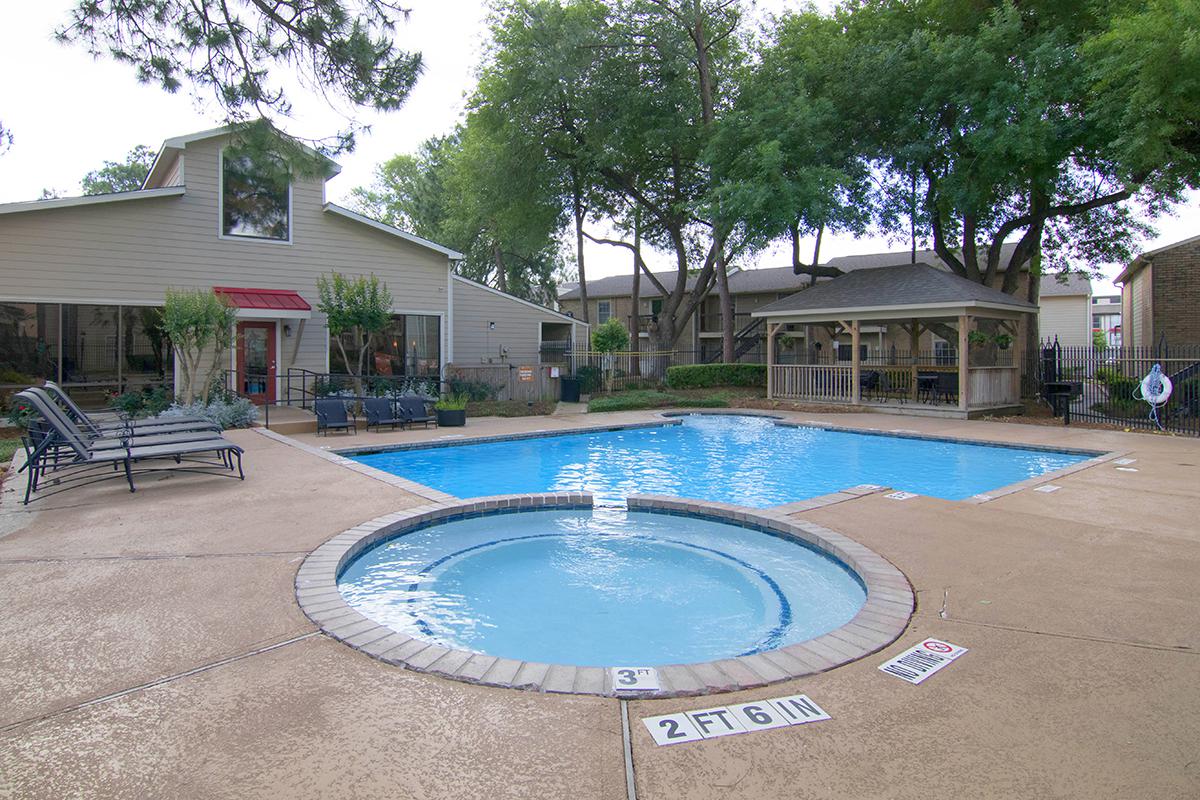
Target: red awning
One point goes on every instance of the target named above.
(264, 299)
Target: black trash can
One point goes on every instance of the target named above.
(570, 390)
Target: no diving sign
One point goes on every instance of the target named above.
(917, 663)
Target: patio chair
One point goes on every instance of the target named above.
(53, 448)
(868, 383)
(947, 387)
(380, 411)
(413, 410)
(331, 415)
(99, 426)
(44, 405)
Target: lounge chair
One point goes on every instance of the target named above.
(413, 410)
(99, 426)
(56, 449)
(381, 411)
(114, 437)
(331, 415)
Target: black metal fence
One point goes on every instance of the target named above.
(1106, 384)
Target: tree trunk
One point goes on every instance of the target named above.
(726, 300)
(1032, 332)
(576, 196)
(635, 341)
(501, 271)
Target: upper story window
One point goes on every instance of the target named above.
(603, 311)
(256, 198)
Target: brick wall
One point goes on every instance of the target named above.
(1176, 295)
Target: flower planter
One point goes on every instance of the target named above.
(452, 418)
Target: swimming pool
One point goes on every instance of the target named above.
(746, 460)
(602, 587)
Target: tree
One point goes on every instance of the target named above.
(237, 52)
(613, 92)
(200, 326)
(116, 176)
(607, 339)
(359, 306)
(1006, 123)
(480, 193)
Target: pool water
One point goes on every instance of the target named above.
(735, 459)
(602, 587)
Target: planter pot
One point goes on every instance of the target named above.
(452, 419)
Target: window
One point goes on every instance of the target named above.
(845, 352)
(656, 306)
(409, 346)
(255, 198)
(943, 353)
(603, 311)
(91, 349)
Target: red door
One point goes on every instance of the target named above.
(256, 361)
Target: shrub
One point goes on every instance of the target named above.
(147, 402)
(1107, 374)
(477, 391)
(452, 402)
(236, 413)
(19, 414)
(590, 379)
(1122, 389)
(700, 376)
(632, 401)
(610, 337)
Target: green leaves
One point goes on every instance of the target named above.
(610, 336)
(236, 52)
(117, 176)
(360, 303)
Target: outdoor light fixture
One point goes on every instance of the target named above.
(287, 331)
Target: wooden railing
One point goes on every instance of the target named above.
(832, 383)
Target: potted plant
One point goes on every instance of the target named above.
(452, 410)
(1003, 340)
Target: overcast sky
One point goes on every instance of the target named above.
(69, 113)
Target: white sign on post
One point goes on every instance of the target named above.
(918, 663)
(634, 679)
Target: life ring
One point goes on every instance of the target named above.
(1160, 382)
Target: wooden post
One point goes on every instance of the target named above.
(855, 364)
(771, 329)
(914, 347)
(964, 322)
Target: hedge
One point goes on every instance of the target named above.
(700, 376)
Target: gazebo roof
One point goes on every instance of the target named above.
(903, 291)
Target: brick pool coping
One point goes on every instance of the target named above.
(882, 619)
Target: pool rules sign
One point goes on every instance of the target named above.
(917, 663)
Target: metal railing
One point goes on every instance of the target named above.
(1108, 381)
(301, 386)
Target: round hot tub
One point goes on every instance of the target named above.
(485, 590)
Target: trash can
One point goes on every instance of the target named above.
(570, 390)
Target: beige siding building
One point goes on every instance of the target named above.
(80, 278)
(752, 289)
(492, 328)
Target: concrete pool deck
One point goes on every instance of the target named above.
(151, 645)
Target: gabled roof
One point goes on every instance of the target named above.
(1065, 285)
(333, 208)
(521, 300)
(622, 286)
(89, 200)
(172, 147)
(1145, 258)
(902, 286)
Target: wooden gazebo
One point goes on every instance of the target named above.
(983, 373)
